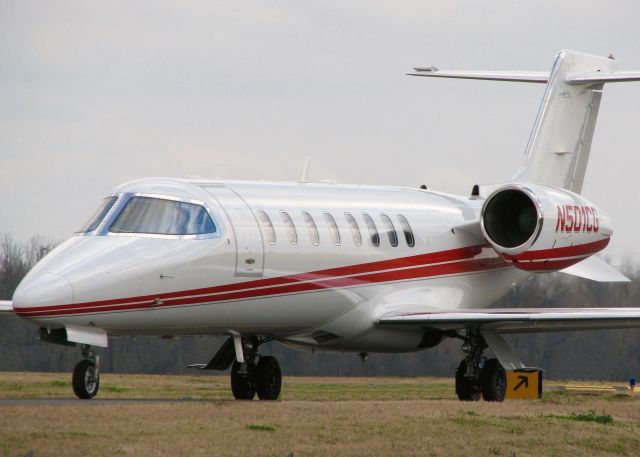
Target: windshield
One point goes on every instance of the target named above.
(97, 217)
(163, 217)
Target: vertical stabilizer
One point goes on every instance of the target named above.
(558, 149)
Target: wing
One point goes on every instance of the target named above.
(6, 307)
(519, 320)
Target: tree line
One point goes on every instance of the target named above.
(605, 354)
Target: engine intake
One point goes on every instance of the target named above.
(539, 228)
(511, 218)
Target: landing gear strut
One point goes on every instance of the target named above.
(257, 374)
(478, 376)
(251, 373)
(86, 374)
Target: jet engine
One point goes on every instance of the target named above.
(539, 228)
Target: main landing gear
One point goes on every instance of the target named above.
(478, 376)
(86, 374)
(251, 373)
(263, 378)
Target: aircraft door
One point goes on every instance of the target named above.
(245, 231)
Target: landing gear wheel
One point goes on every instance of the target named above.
(268, 378)
(467, 390)
(243, 384)
(494, 381)
(86, 379)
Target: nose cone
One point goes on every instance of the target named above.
(42, 289)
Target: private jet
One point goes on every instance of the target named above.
(341, 268)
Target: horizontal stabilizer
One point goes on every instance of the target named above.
(6, 307)
(592, 77)
(595, 269)
(514, 76)
(604, 77)
(519, 320)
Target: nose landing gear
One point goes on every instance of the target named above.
(86, 374)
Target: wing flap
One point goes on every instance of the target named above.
(520, 320)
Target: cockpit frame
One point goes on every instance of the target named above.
(123, 198)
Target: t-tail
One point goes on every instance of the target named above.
(558, 149)
(538, 221)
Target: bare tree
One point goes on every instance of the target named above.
(36, 248)
(17, 259)
(12, 266)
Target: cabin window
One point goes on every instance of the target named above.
(161, 216)
(99, 215)
(333, 229)
(314, 236)
(391, 230)
(355, 230)
(406, 229)
(373, 231)
(267, 227)
(291, 229)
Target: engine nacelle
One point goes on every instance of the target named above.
(539, 228)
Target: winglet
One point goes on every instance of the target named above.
(6, 307)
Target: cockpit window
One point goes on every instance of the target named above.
(97, 217)
(163, 217)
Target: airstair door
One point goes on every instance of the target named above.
(245, 231)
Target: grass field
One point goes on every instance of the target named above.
(195, 416)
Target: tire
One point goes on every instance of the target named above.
(268, 378)
(86, 379)
(243, 385)
(494, 381)
(465, 389)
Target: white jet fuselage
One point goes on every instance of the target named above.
(303, 285)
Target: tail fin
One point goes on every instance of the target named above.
(558, 149)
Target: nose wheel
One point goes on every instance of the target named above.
(86, 375)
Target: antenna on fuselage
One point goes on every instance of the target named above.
(305, 169)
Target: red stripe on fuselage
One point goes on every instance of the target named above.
(548, 265)
(353, 275)
(557, 253)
